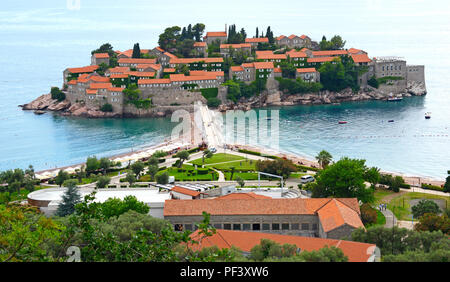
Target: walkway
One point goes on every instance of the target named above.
(391, 220)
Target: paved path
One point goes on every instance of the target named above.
(391, 220)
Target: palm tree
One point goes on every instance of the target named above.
(324, 158)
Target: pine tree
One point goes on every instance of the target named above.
(69, 199)
(257, 33)
(136, 51)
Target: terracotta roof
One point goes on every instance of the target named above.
(235, 46)
(216, 34)
(169, 70)
(292, 36)
(263, 65)
(160, 49)
(320, 59)
(361, 58)
(100, 85)
(98, 78)
(127, 53)
(296, 54)
(152, 66)
(249, 195)
(195, 60)
(83, 69)
(354, 50)
(154, 81)
(329, 53)
(119, 70)
(141, 73)
(303, 36)
(305, 70)
(269, 55)
(115, 89)
(101, 55)
(136, 61)
(245, 241)
(91, 91)
(248, 65)
(185, 191)
(200, 44)
(72, 82)
(210, 73)
(170, 55)
(277, 70)
(249, 206)
(280, 37)
(336, 214)
(182, 77)
(257, 40)
(237, 68)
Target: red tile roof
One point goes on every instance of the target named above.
(237, 68)
(361, 58)
(101, 55)
(169, 70)
(306, 70)
(141, 73)
(91, 91)
(119, 70)
(263, 65)
(205, 73)
(160, 49)
(154, 81)
(170, 55)
(247, 65)
(100, 85)
(97, 78)
(200, 44)
(235, 46)
(296, 54)
(249, 195)
(330, 53)
(182, 77)
(245, 241)
(185, 191)
(83, 69)
(269, 55)
(320, 59)
(303, 36)
(292, 36)
(136, 61)
(152, 66)
(280, 37)
(335, 214)
(216, 34)
(195, 60)
(115, 89)
(278, 70)
(257, 40)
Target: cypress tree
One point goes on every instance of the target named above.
(136, 51)
(257, 32)
(69, 199)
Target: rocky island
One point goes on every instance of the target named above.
(226, 70)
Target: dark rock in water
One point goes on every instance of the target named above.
(37, 112)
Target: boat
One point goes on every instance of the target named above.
(427, 115)
(342, 122)
(37, 112)
(391, 120)
(394, 99)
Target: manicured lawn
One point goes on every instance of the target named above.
(380, 194)
(297, 175)
(241, 164)
(218, 158)
(190, 174)
(243, 175)
(400, 205)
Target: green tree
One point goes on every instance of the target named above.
(372, 175)
(132, 92)
(152, 171)
(57, 94)
(92, 164)
(162, 178)
(279, 167)
(61, 177)
(105, 48)
(107, 108)
(206, 154)
(69, 199)
(324, 158)
(114, 207)
(182, 156)
(198, 30)
(169, 38)
(137, 168)
(103, 182)
(433, 222)
(105, 164)
(425, 206)
(240, 181)
(136, 51)
(373, 82)
(130, 178)
(447, 185)
(343, 179)
(325, 254)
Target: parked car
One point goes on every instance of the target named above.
(213, 150)
(306, 179)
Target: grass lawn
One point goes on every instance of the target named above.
(190, 174)
(241, 164)
(400, 205)
(243, 175)
(218, 158)
(297, 175)
(381, 220)
(380, 194)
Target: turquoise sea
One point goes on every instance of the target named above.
(39, 39)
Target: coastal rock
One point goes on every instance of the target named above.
(273, 97)
(416, 88)
(59, 106)
(41, 103)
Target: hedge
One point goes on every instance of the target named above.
(249, 152)
(432, 187)
(209, 93)
(304, 167)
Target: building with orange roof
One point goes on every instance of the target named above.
(245, 241)
(74, 73)
(125, 54)
(200, 49)
(212, 36)
(226, 49)
(133, 63)
(361, 59)
(182, 193)
(99, 58)
(269, 56)
(329, 53)
(312, 217)
(294, 41)
(298, 58)
(249, 195)
(308, 74)
(210, 64)
(256, 40)
(253, 71)
(317, 62)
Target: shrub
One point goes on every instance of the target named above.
(106, 108)
(209, 93)
(425, 206)
(368, 214)
(57, 94)
(214, 102)
(373, 82)
(431, 187)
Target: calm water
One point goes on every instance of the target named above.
(39, 40)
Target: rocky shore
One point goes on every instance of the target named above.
(271, 97)
(278, 98)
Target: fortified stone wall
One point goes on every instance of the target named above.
(416, 73)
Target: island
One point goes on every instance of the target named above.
(227, 70)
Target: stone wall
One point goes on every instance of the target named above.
(416, 73)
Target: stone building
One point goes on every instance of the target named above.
(255, 41)
(200, 49)
(294, 41)
(99, 58)
(324, 218)
(180, 193)
(269, 56)
(209, 64)
(308, 74)
(74, 73)
(211, 37)
(225, 49)
(133, 63)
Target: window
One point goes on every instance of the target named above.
(285, 226)
(178, 227)
(314, 226)
(236, 226)
(188, 227)
(266, 226)
(256, 226)
(295, 226)
(218, 226)
(227, 226)
(275, 226)
(305, 226)
(246, 226)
